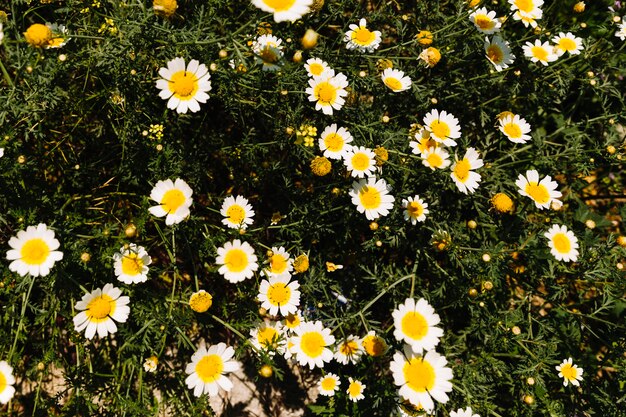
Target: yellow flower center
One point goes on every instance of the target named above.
(414, 325)
(38, 35)
(184, 85)
(483, 21)
(561, 243)
(316, 69)
(354, 390)
(35, 251)
(334, 142)
(360, 161)
(325, 92)
(132, 264)
(434, 160)
(369, 197)
(502, 203)
(278, 263)
(374, 345)
(512, 130)
(440, 129)
(172, 200)
(200, 301)
(462, 170)
(393, 83)
(210, 368)
(292, 321)
(419, 375)
(525, 5)
(569, 372)
(301, 264)
(312, 344)
(3, 382)
(567, 44)
(495, 54)
(236, 260)
(349, 347)
(269, 55)
(328, 383)
(540, 53)
(55, 42)
(363, 36)
(236, 214)
(278, 294)
(415, 209)
(279, 5)
(267, 337)
(538, 192)
(100, 308)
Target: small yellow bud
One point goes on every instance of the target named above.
(487, 286)
(472, 224)
(528, 399)
(516, 330)
(266, 371)
(583, 25)
(424, 37)
(473, 292)
(579, 7)
(486, 257)
(386, 119)
(297, 57)
(309, 40)
(374, 226)
(200, 301)
(616, 19)
(21, 159)
(41, 366)
(222, 53)
(621, 240)
(590, 224)
(611, 149)
(130, 231)
(379, 243)
(530, 380)
(262, 312)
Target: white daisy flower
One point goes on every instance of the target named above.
(567, 42)
(373, 344)
(335, 141)
(443, 127)
(280, 262)
(527, 20)
(316, 67)
(485, 21)
(1, 152)
(361, 38)
(563, 243)
(463, 413)
(423, 142)
(284, 10)
(208, 368)
(174, 198)
(328, 91)
(527, 8)
(498, 52)
(395, 80)
(465, 179)
(360, 161)
(349, 350)
(33, 251)
(570, 373)
(268, 51)
(184, 87)
(131, 264)
(268, 337)
(621, 31)
(237, 212)
(292, 321)
(515, 128)
(415, 324)
(415, 210)
(541, 192)
(328, 384)
(238, 261)
(372, 197)
(355, 390)
(6, 382)
(99, 310)
(278, 294)
(436, 158)
(540, 52)
(310, 344)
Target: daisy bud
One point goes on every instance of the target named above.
(266, 371)
(301, 264)
(530, 380)
(473, 292)
(472, 224)
(309, 40)
(131, 231)
(200, 301)
(621, 240)
(424, 37)
(165, 8)
(38, 35)
(516, 330)
(297, 57)
(85, 257)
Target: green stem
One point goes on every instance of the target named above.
(25, 299)
(6, 75)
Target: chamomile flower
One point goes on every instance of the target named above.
(280, 262)
(334, 141)
(541, 192)
(237, 261)
(131, 264)
(515, 128)
(316, 67)
(563, 243)
(174, 200)
(33, 251)
(415, 210)
(284, 10)
(422, 142)
(278, 294)
(498, 52)
(99, 310)
(485, 21)
(373, 344)
(621, 31)
(184, 86)
(570, 373)
(268, 337)
(527, 8)
(540, 52)
(395, 80)
(328, 384)
(443, 127)
(237, 212)
(436, 158)
(6, 382)
(310, 344)
(268, 51)
(292, 321)
(422, 378)
(328, 91)
(355, 390)
(527, 20)
(360, 161)
(567, 42)
(415, 324)
(465, 179)
(463, 413)
(372, 197)
(208, 368)
(361, 38)
(349, 350)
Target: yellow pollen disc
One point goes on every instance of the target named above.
(236, 260)
(100, 308)
(325, 92)
(414, 325)
(440, 129)
(210, 368)
(462, 170)
(495, 54)
(312, 344)
(354, 389)
(200, 301)
(567, 44)
(538, 192)
(561, 243)
(132, 264)
(328, 383)
(525, 5)
(267, 337)
(236, 214)
(278, 264)
(172, 200)
(316, 69)
(35, 251)
(279, 5)
(184, 85)
(361, 162)
(419, 375)
(292, 321)
(370, 197)
(484, 22)
(349, 348)
(3, 382)
(269, 55)
(512, 130)
(415, 209)
(393, 83)
(333, 142)
(569, 372)
(363, 36)
(374, 345)
(434, 160)
(540, 53)
(38, 34)
(278, 294)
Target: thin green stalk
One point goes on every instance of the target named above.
(25, 299)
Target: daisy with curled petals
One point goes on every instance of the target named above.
(465, 179)
(355, 390)
(485, 21)
(184, 87)
(328, 91)
(174, 200)
(131, 264)
(361, 38)
(515, 128)
(328, 384)
(443, 127)
(334, 142)
(280, 262)
(310, 344)
(436, 158)
(237, 212)
(237, 261)
(498, 52)
(99, 310)
(372, 197)
(570, 373)
(208, 368)
(6, 382)
(463, 413)
(543, 192)
(540, 52)
(284, 10)
(395, 80)
(567, 42)
(415, 210)
(278, 294)
(349, 350)
(316, 67)
(360, 161)
(33, 251)
(422, 142)
(421, 378)
(415, 324)
(268, 337)
(563, 243)
(268, 51)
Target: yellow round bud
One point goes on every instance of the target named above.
(131, 231)
(486, 257)
(528, 399)
(165, 8)
(378, 243)
(579, 7)
(262, 312)
(309, 40)
(38, 35)
(473, 292)
(200, 301)
(320, 166)
(85, 257)
(424, 37)
(222, 53)
(386, 119)
(21, 159)
(590, 224)
(41, 366)
(301, 264)
(487, 285)
(266, 371)
(373, 226)
(616, 19)
(611, 149)
(297, 57)
(472, 224)
(502, 203)
(530, 380)
(621, 240)
(516, 330)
